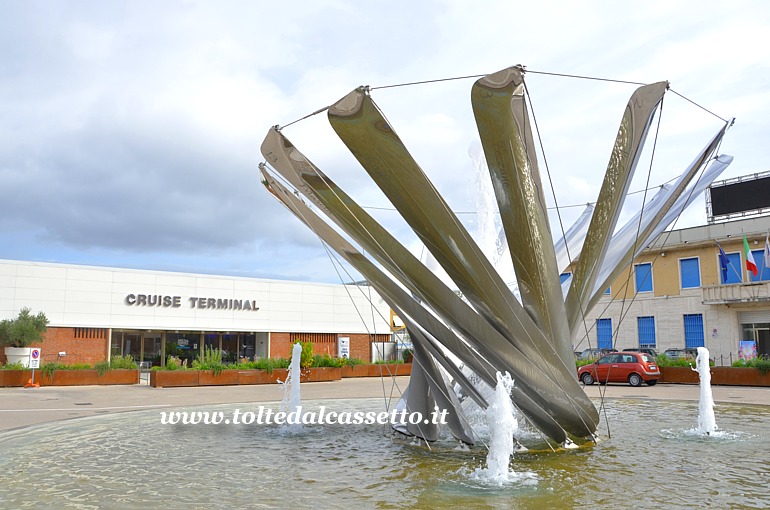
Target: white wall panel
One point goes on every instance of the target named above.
(26, 296)
(75, 307)
(209, 284)
(8, 268)
(38, 270)
(262, 286)
(95, 275)
(7, 280)
(7, 292)
(40, 283)
(89, 320)
(97, 286)
(92, 296)
(172, 280)
(134, 278)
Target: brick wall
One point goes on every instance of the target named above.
(281, 344)
(82, 345)
(360, 345)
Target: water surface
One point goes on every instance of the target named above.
(651, 458)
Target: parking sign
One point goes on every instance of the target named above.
(34, 357)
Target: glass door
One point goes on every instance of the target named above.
(151, 348)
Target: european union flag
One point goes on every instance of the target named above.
(723, 262)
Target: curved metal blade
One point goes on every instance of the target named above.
(568, 247)
(629, 143)
(371, 139)
(506, 136)
(444, 396)
(629, 240)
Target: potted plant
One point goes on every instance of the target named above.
(17, 335)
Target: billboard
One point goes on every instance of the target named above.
(742, 196)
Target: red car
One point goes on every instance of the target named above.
(631, 367)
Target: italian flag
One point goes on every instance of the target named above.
(750, 265)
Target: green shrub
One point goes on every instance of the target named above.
(210, 360)
(306, 357)
(760, 363)
(13, 366)
(763, 365)
(123, 362)
(173, 363)
(353, 361)
(102, 367)
(266, 364)
(48, 369)
(665, 361)
(324, 360)
(24, 330)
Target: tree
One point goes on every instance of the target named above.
(24, 330)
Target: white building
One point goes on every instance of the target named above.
(96, 312)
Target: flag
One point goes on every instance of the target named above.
(723, 262)
(767, 250)
(750, 265)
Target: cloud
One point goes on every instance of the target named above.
(130, 131)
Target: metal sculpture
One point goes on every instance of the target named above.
(488, 329)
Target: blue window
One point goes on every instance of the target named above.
(764, 271)
(604, 333)
(734, 272)
(693, 330)
(607, 292)
(689, 270)
(646, 328)
(564, 277)
(643, 276)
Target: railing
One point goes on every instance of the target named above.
(753, 292)
(144, 371)
(724, 361)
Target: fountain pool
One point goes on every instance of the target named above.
(655, 458)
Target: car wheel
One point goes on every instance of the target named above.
(587, 379)
(635, 380)
(652, 382)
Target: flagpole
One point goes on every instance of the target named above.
(728, 265)
(766, 255)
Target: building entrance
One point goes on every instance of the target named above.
(759, 333)
(140, 345)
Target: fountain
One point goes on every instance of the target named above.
(482, 322)
(502, 426)
(292, 402)
(706, 421)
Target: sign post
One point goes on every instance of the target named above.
(34, 362)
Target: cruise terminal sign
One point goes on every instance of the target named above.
(202, 303)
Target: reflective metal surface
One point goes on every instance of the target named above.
(492, 331)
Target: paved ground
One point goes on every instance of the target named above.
(21, 407)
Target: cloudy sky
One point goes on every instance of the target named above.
(130, 131)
